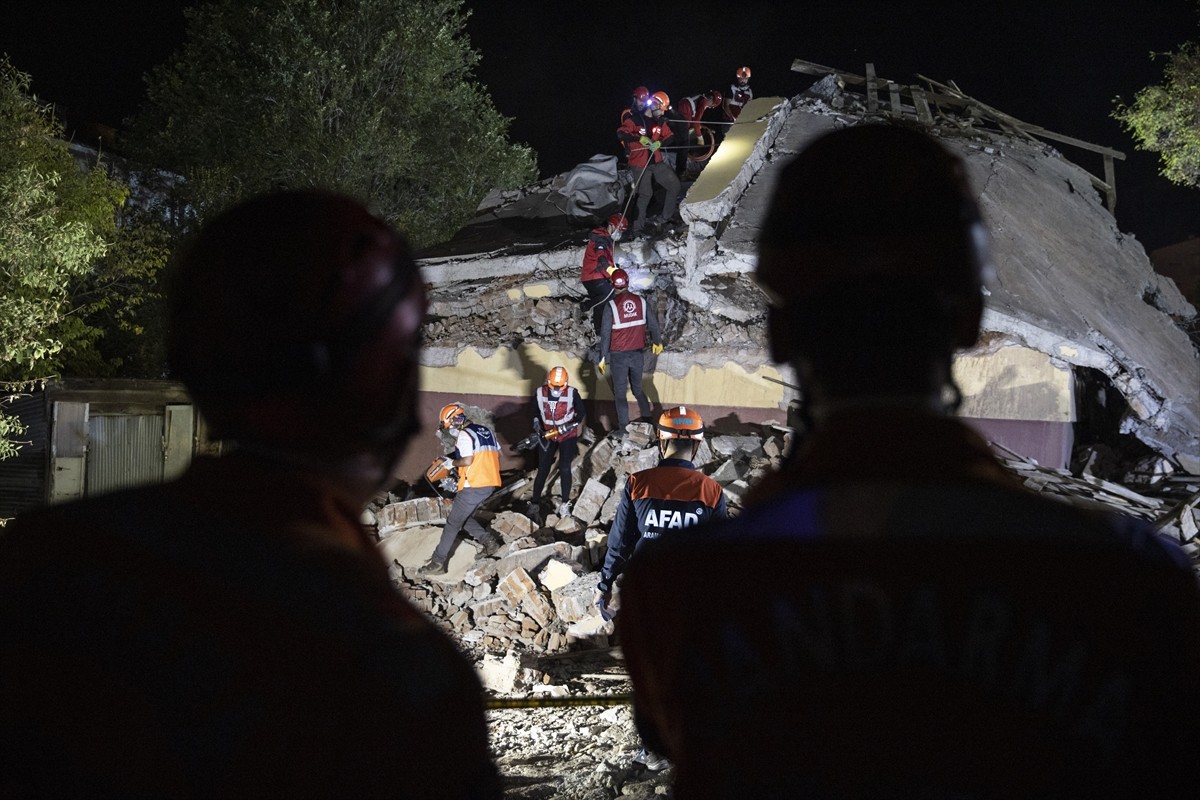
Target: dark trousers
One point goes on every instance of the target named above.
(567, 449)
(461, 518)
(598, 293)
(659, 174)
(627, 367)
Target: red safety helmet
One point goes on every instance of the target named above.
(619, 278)
(619, 222)
(451, 414)
(715, 97)
(744, 73)
(640, 95)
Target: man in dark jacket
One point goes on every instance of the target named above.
(234, 632)
(898, 615)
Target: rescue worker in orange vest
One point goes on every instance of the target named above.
(477, 457)
(560, 414)
(627, 320)
(740, 93)
(672, 496)
(643, 134)
(599, 261)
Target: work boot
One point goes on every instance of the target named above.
(651, 760)
(533, 510)
(491, 544)
(433, 567)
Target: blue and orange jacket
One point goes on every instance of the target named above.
(668, 497)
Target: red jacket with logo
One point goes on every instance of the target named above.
(597, 256)
(631, 132)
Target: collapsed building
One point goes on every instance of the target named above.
(1082, 339)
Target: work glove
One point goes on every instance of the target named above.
(656, 349)
(602, 366)
(602, 600)
(645, 140)
(610, 269)
(448, 463)
(654, 146)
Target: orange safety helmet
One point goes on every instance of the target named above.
(556, 378)
(744, 73)
(619, 278)
(660, 100)
(450, 414)
(618, 221)
(680, 422)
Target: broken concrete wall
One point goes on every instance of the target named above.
(1069, 288)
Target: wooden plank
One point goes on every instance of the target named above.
(894, 97)
(922, 106)
(872, 91)
(1110, 177)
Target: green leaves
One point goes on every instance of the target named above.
(375, 99)
(1165, 119)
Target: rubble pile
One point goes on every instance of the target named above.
(525, 614)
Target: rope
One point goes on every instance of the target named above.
(495, 703)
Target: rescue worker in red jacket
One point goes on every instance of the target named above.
(643, 135)
(477, 457)
(560, 414)
(740, 93)
(627, 320)
(599, 261)
(656, 501)
(693, 109)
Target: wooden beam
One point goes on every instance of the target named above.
(894, 97)
(809, 68)
(872, 91)
(922, 106)
(1110, 177)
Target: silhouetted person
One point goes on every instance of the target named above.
(893, 614)
(234, 632)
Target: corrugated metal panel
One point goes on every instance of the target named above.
(23, 477)
(124, 451)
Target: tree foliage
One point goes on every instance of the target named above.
(371, 97)
(1165, 119)
(77, 268)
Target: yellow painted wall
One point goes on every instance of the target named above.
(735, 148)
(1015, 383)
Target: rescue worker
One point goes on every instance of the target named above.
(559, 418)
(693, 109)
(643, 135)
(639, 103)
(599, 261)
(657, 501)
(476, 456)
(739, 95)
(941, 630)
(627, 320)
(233, 632)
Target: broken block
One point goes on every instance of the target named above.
(576, 600)
(557, 573)
(590, 500)
(538, 608)
(515, 585)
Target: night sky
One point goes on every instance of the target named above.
(563, 71)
